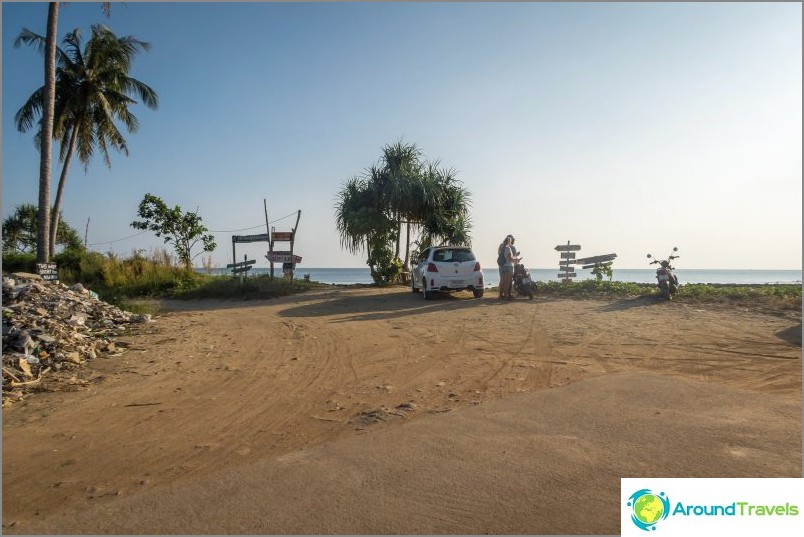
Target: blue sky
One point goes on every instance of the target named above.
(624, 127)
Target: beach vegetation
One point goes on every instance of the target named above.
(93, 92)
(47, 46)
(182, 230)
(402, 188)
(20, 231)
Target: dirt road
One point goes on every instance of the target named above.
(320, 388)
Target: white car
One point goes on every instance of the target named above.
(447, 268)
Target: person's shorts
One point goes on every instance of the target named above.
(507, 269)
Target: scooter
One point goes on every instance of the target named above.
(523, 284)
(666, 279)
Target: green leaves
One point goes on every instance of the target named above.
(183, 230)
(401, 188)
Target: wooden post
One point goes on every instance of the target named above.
(293, 240)
(270, 240)
(234, 255)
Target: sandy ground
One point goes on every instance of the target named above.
(372, 411)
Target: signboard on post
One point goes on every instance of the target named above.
(48, 271)
(596, 259)
(283, 257)
(567, 255)
(566, 275)
(568, 247)
(262, 237)
(243, 266)
(282, 236)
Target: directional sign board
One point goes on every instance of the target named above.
(282, 236)
(594, 264)
(262, 237)
(565, 262)
(566, 267)
(283, 257)
(568, 247)
(567, 255)
(567, 275)
(595, 259)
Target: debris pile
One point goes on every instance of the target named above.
(49, 328)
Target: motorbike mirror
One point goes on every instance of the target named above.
(648, 256)
(675, 249)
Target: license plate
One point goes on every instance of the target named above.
(457, 283)
(663, 277)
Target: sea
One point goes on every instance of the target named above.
(349, 276)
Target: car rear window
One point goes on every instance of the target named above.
(456, 255)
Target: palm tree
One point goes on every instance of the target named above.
(20, 231)
(48, 112)
(93, 90)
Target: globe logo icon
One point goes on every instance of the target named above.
(648, 508)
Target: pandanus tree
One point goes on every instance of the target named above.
(371, 209)
(94, 93)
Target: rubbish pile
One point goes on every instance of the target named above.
(50, 328)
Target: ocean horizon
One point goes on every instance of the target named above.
(349, 276)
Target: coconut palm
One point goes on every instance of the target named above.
(20, 231)
(94, 90)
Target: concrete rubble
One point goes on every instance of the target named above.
(50, 329)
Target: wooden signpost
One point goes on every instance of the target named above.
(567, 253)
(241, 268)
(274, 256)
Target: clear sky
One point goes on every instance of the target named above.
(626, 128)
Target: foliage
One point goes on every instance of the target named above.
(602, 269)
(20, 228)
(371, 208)
(385, 266)
(183, 230)
(93, 93)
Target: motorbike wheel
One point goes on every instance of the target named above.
(666, 293)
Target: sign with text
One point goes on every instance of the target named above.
(283, 257)
(568, 247)
(48, 271)
(567, 255)
(262, 237)
(595, 259)
(567, 275)
(282, 236)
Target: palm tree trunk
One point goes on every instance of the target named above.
(407, 244)
(54, 218)
(43, 216)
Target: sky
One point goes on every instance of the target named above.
(626, 128)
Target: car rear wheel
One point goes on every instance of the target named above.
(478, 293)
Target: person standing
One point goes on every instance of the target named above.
(507, 268)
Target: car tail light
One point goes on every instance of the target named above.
(477, 266)
(431, 267)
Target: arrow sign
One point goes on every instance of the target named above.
(568, 247)
(282, 235)
(565, 262)
(601, 264)
(241, 264)
(567, 275)
(283, 257)
(595, 259)
(566, 268)
(567, 255)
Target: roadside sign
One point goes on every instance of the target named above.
(262, 237)
(596, 259)
(566, 268)
(567, 275)
(565, 262)
(48, 271)
(567, 255)
(283, 257)
(568, 247)
(593, 265)
(565, 280)
(241, 264)
(282, 236)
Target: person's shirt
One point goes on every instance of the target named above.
(508, 254)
